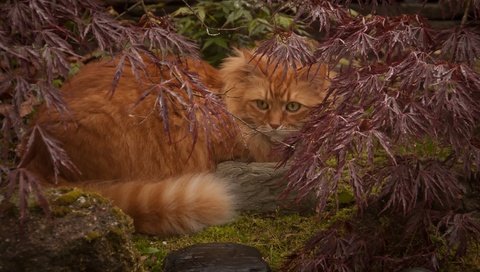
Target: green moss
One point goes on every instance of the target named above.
(93, 235)
(59, 211)
(117, 230)
(121, 215)
(341, 215)
(68, 196)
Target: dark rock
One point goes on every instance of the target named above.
(416, 269)
(84, 233)
(215, 257)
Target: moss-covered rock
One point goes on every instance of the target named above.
(84, 233)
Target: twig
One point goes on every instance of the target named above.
(130, 8)
(144, 7)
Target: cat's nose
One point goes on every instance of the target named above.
(274, 126)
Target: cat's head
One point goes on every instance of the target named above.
(272, 102)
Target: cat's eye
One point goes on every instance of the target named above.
(262, 104)
(293, 106)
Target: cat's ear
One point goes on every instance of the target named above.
(242, 65)
(317, 75)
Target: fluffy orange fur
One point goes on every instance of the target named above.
(164, 181)
(270, 101)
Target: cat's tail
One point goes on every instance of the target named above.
(178, 205)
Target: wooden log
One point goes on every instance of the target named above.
(258, 187)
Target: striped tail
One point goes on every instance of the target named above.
(179, 205)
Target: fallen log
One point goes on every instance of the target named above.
(258, 187)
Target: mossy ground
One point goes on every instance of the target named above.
(274, 235)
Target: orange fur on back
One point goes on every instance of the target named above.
(162, 179)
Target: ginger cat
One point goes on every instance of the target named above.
(123, 152)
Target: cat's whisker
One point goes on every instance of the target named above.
(264, 130)
(288, 130)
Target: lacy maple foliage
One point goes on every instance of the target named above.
(399, 126)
